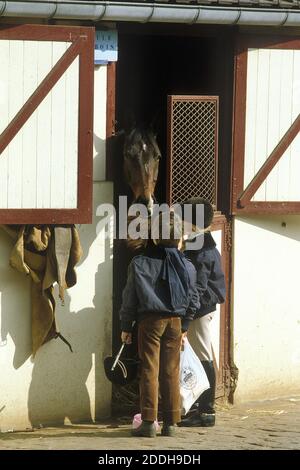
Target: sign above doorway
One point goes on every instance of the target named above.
(106, 46)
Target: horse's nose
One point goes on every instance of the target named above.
(142, 200)
(146, 202)
(150, 206)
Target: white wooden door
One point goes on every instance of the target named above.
(46, 98)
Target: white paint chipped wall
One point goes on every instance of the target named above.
(57, 385)
(266, 307)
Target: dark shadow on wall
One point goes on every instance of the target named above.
(113, 146)
(99, 161)
(15, 289)
(15, 306)
(58, 387)
(88, 232)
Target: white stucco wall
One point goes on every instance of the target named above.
(266, 308)
(57, 385)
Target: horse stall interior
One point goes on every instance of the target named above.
(156, 61)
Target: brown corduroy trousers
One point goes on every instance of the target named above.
(159, 342)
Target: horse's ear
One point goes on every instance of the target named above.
(129, 122)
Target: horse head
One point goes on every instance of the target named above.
(141, 163)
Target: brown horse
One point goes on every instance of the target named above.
(141, 163)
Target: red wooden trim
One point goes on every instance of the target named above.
(111, 100)
(272, 207)
(239, 123)
(169, 149)
(268, 42)
(220, 223)
(85, 129)
(39, 94)
(194, 98)
(216, 149)
(269, 164)
(110, 119)
(44, 216)
(35, 32)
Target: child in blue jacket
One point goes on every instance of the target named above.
(161, 296)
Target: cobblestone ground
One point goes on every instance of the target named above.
(273, 424)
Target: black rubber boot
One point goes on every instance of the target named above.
(204, 415)
(168, 430)
(146, 429)
(207, 399)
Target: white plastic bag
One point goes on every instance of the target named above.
(193, 379)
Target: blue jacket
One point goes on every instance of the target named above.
(210, 277)
(161, 281)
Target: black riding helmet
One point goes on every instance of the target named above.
(120, 371)
(207, 207)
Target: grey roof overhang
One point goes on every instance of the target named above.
(226, 12)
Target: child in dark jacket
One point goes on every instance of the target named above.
(211, 288)
(161, 296)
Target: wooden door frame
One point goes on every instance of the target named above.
(220, 222)
(82, 46)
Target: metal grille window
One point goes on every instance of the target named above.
(192, 147)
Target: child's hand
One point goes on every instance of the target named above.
(183, 336)
(126, 337)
